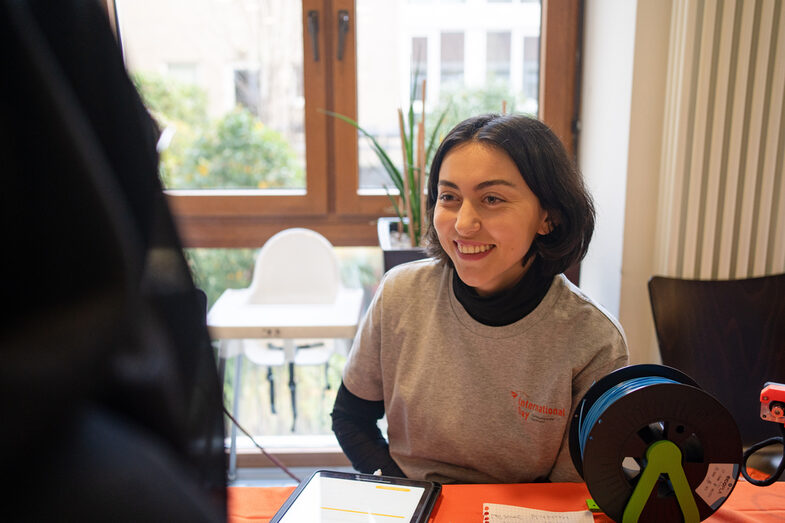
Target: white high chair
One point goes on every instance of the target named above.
(295, 267)
(295, 294)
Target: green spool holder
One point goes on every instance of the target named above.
(662, 457)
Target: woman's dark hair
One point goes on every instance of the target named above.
(547, 170)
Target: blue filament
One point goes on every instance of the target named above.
(586, 423)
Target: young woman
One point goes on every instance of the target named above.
(479, 355)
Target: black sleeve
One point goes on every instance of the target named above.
(355, 427)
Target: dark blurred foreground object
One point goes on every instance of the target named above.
(111, 404)
(727, 334)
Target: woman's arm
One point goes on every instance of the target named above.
(355, 427)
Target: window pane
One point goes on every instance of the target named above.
(531, 67)
(419, 64)
(223, 79)
(452, 59)
(497, 59)
(475, 57)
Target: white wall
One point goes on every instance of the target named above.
(608, 45)
(626, 47)
(647, 108)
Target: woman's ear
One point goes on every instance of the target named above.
(546, 225)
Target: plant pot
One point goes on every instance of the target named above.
(394, 253)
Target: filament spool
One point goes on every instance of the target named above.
(609, 447)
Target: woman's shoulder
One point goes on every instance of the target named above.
(582, 309)
(415, 270)
(420, 275)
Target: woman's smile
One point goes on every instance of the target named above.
(473, 250)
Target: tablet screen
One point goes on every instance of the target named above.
(343, 497)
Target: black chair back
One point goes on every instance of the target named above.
(729, 335)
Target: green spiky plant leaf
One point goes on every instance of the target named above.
(410, 199)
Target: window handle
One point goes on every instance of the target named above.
(313, 30)
(343, 28)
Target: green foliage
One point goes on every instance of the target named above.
(216, 270)
(179, 107)
(234, 151)
(238, 151)
(170, 101)
(460, 103)
(410, 200)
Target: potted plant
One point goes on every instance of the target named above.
(396, 245)
(409, 198)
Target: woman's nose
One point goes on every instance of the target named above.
(468, 220)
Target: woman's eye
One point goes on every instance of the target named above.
(446, 197)
(493, 200)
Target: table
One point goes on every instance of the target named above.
(463, 503)
(232, 317)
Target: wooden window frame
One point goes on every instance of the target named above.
(331, 204)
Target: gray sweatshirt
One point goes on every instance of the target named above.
(471, 403)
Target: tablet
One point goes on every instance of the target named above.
(358, 498)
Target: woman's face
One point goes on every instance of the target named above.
(486, 216)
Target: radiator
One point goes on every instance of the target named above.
(721, 206)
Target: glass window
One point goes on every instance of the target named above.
(469, 53)
(246, 90)
(452, 54)
(419, 65)
(531, 72)
(242, 88)
(498, 57)
(232, 126)
(265, 406)
(185, 73)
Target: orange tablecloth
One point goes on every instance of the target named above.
(459, 503)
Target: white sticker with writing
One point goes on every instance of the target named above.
(494, 513)
(717, 484)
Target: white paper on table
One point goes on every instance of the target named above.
(494, 513)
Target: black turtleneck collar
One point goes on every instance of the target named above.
(507, 306)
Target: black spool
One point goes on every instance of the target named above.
(680, 412)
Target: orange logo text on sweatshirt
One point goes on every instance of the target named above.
(530, 410)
